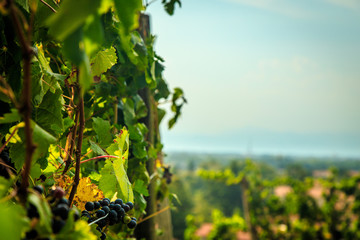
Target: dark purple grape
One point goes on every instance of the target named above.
(105, 202)
(63, 201)
(85, 213)
(58, 192)
(61, 210)
(32, 212)
(102, 223)
(121, 212)
(113, 215)
(103, 236)
(57, 225)
(130, 204)
(106, 209)
(100, 213)
(126, 207)
(97, 205)
(117, 207)
(131, 224)
(89, 206)
(119, 201)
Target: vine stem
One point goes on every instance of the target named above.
(98, 157)
(153, 215)
(70, 141)
(8, 140)
(48, 5)
(25, 108)
(79, 143)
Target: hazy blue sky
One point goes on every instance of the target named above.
(269, 75)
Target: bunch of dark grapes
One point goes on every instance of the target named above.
(59, 207)
(105, 213)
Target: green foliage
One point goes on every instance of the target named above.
(114, 179)
(103, 61)
(12, 222)
(81, 52)
(225, 228)
(281, 204)
(169, 5)
(70, 17)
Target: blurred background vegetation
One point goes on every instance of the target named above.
(287, 197)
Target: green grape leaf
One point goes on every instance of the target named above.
(140, 202)
(44, 63)
(93, 34)
(70, 16)
(43, 78)
(102, 129)
(135, 133)
(24, 4)
(129, 112)
(105, 6)
(161, 114)
(141, 187)
(140, 107)
(139, 149)
(114, 178)
(12, 221)
(41, 138)
(128, 12)
(85, 77)
(43, 162)
(96, 148)
(169, 6)
(36, 83)
(17, 155)
(35, 171)
(5, 185)
(103, 61)
(176, 107)
(72, 47)
(95, 177)
(68, 123)
(14, 116)
(120, 147)
(49, 112)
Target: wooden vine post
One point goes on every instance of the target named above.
(244, 184)
(146, 229)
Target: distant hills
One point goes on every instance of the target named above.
(258, 142)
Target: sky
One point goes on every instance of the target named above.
(263, 76)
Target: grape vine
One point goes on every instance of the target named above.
(72, 131)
